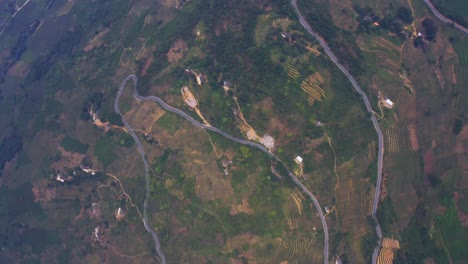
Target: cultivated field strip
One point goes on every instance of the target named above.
(294, 208)
(290, 249)
(294, 249)
(311, 86)
(385, 256)
(404, 137)
(392, 135)
(293, 73)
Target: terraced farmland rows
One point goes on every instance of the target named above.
(294, 208)
(290, 249)
(311, 86)
(293, 73)
(347, 190)
(392, 135)
(385, 256)
(403, 137)
(267, 250)
(297, 198)
(387, 53)
(293, 249)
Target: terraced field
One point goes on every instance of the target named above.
(392, 135)
(311, 86)
(293, 73)
(294, 209)
(289, 250)
(388, 54)
(396, 138)
(387, 253)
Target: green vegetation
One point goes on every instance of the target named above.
(455, 236)
(405, 15)
(170, 122)
(386, 216)
(62, 59)
(453, 9)
(430, 29)
(9, 147)
(390, 19)
(13, 204)
(73, 145)
(124, 139)
(104, 150)
(458, 126)
(417, 245)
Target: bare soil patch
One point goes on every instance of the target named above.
(462, 141)
(177, 50)
(266, 105)
(143, 115)
(412, 116)
(67, 160)
(42, 193)
(20, 69)
(343, 14)
(243, 207)
(428, 162)
(277, 126)
(147, 64)
(210, 184)
(65, 8)
(413, 136)
(96, 40)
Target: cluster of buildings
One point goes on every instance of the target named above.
(62, 177)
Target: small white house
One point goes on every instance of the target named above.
(60, 178)
(120, 213)
(298, 160)
(388, 103)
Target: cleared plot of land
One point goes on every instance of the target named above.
(144, 115)
(343, 14)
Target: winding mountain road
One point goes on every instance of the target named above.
(145, 162)
(445, 19)
(333, 58)
(179, 112)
